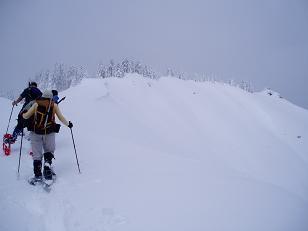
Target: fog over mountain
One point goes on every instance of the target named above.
(264, 42)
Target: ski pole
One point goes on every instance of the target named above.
(61, 100)
(22, 136)
(7, 129)
(75, 150)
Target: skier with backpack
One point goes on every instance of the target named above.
(42, 127)
(29, 94)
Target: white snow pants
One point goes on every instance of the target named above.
(42, 142)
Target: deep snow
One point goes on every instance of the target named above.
(165, 155)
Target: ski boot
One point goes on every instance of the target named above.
(48, 171)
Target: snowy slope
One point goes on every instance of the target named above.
(166, 155)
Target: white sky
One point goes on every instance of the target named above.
(263, 41)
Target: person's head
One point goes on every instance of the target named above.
(32, 84)
(55, 96)
(54, 92)
(47, 94)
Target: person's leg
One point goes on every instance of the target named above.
(18, 129)
(49, 145)
(37, 146)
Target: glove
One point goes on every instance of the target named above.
(14, 103)
(70, 124)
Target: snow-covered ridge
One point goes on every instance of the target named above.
(166, 154)
(61, 77)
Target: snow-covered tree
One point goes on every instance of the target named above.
(124, 67)
(170, 72)
(60, 78)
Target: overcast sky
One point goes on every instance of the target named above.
(262, 41)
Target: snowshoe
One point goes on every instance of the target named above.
(44, 183)
(8, 139)
(35, 180)
(47, 183)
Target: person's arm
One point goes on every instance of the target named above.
(22, 95)
(15, 102)
(60, 116)
(30, 112)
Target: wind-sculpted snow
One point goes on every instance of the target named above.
(166, 154)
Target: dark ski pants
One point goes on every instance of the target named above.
(20, 125)
(40, 143)
(21, 122)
